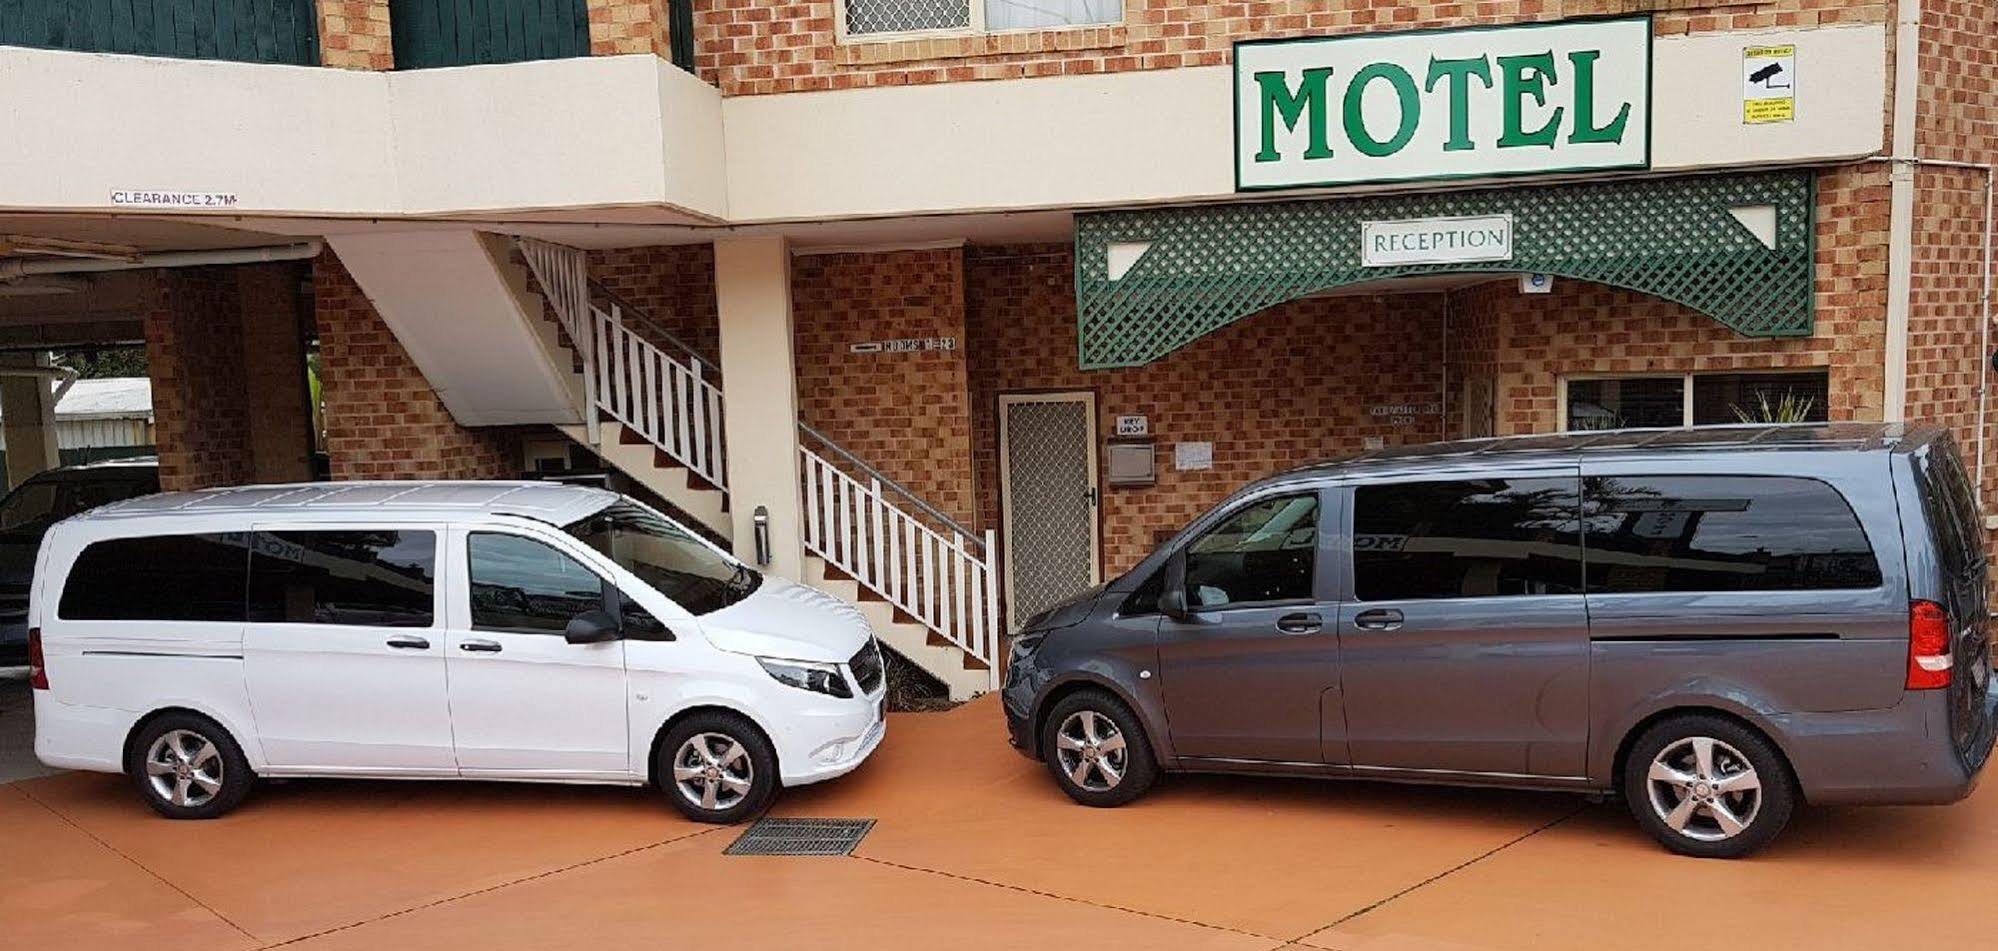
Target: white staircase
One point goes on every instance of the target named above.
(926, 584)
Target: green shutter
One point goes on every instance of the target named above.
(1204, 268)
(433, 33)
(247, 31)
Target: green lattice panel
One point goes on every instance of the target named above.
(1208, 267)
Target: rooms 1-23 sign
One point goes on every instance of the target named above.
(1526, 99)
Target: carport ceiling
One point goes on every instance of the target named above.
(46, 236)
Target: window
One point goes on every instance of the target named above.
(519, 584)
(1706, 399)
(1265, 552)
(669, 558)
(375, 578)
(1477, 538)
(159, 578)
(1949, 505)
(1722, 533)
(867, 17)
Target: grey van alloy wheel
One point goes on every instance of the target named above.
(185, 768)
(1092, 751)
(1097, 749)
(1708, 786)
(1704, 789)
(713, 771)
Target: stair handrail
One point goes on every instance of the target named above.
(636, 314)
(890, 484)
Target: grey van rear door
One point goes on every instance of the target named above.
(1464, 641)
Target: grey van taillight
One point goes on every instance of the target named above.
(1929, 660)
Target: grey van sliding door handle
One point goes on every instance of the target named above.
(1302, 623)
(483, 647)
(1378, 619)
(408, 643)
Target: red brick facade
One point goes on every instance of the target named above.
(383, 419)
(753, 47)
(201, 407)
(354, 34)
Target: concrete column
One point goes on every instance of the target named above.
(753, 299)
(27, 409)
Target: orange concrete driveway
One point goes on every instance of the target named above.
(974, 848)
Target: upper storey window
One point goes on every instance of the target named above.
(874, 19)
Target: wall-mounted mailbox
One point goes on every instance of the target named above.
(1132, 462)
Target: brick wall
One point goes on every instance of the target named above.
(194, 346)
(383, 419)
(1957, 121)
(906, 414)
(629, 26)
(749, 47)
(354, 34)
(1525, 344)
(1294, 384)
(673, 286)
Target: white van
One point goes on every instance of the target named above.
(449, 630)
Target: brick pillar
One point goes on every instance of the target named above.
(194, 345)
(354, 34)
(280, 425)
(629, 26)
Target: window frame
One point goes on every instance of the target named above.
(1323, 582)
(609, 600)
(1686, 379)
(437, 566)
(1349, 578)
(976, 28)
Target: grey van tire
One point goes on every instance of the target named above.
(236, 778)
(1778, 786)
(1140, 766)
(762, 758)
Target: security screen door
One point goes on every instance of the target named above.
(1047, 448)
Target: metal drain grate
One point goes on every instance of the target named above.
(801, 837)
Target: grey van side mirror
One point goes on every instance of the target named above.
(592, 627)
(1172, 604)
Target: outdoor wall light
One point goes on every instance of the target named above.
(761, 518)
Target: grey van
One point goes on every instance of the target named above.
(1719, 624)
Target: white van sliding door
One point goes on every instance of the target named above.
(343, 651)
(525, 702)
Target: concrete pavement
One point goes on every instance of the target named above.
(975, 848)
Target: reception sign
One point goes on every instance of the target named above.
(1529, 99)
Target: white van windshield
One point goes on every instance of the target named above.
(667, 557)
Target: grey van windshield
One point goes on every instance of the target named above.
(667, 557)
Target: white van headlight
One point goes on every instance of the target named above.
(808, 675)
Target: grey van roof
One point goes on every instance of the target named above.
(545, 501)
(1844, 437)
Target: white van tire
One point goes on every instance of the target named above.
(186, 766)
(716, 766)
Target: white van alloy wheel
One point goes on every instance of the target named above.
(1704, 789)
(184, 768)
(713, 771)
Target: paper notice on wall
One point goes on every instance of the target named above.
(1192, 455)
(1768, 84)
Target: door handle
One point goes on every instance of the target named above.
(1378, 619)
(1300, 623)
(483, 647)
(409, 643)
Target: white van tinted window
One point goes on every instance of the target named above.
(519, 584)
(1722, 533)
(379, 578)
(159, 578)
